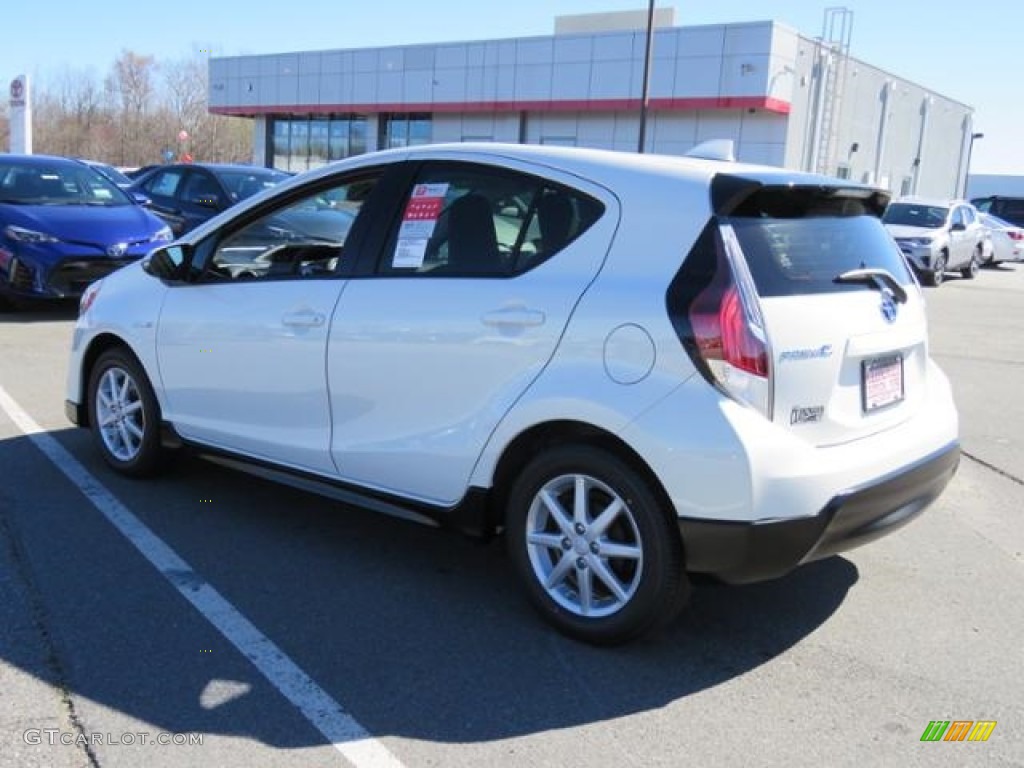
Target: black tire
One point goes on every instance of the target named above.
(132, 444)
(651, 588)
(938, 272)
(971, 270)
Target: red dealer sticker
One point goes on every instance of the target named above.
(418, 223)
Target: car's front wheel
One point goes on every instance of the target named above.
(124, 413)
(938, 271)
(599, 558)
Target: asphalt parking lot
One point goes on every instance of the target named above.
(427, 650)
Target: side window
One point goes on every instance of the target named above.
(472, 221)
(302, 239)
(201, 189)
(985, 206)
(968, 215)
(163, 183)
(958, 217)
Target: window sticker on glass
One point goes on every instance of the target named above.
(418, 223)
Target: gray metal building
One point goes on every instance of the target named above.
(785, 98)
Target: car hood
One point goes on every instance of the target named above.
(903, 230)
(93, 225)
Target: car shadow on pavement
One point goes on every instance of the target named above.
(49, 311)
(417, 632)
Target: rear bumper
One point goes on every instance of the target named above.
(739, 552)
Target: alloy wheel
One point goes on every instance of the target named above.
(584, 545)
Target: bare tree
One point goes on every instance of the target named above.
(130, 86)
(136, 113)
(70, 115)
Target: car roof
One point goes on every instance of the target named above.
(216, 167)
(40, 160)
(609, 168)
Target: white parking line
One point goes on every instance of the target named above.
(316, 705)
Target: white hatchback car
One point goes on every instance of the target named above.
(636, 367)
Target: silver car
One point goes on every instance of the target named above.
(937, 236)
(1007, 240)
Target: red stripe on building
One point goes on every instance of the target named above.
(570, 105)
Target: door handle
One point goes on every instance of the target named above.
(514, 316)
(303, 319)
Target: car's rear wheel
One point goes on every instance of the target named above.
(124, 413)
(599, 558)
(971, 270)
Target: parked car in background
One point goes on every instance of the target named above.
(110, 172)
(1007, 240)
(656, 366)
(63, 225)
(937, 236)
(1007, 208)
(136, 173)
(186, 194)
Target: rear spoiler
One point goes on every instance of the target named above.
(794, 197)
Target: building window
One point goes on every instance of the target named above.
(317, 142)
(843, 171)
(301, 143)
(405, 130)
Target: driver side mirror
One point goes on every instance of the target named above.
(168, 262)
(140, 199)
(958, 226)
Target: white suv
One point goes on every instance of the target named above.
(938, 236)
(635, 367)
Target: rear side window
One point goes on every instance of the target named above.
(798, 241)
(467, 220)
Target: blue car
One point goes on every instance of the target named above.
(64, 225)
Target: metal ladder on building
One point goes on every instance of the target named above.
(834, 52)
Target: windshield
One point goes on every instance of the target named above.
(112, 173)
(243, 184)
(916, 215)
(57, 184)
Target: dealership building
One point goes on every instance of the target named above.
(783, 97)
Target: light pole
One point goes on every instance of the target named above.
(645, 95)
(970, 151)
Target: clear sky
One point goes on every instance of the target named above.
(968, 52)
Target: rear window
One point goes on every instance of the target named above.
(916, 215)
(1010, 209)
(803, 253)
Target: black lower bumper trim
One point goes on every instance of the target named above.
(749, 552)
(74, 413)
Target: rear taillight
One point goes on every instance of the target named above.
(1015, 234)
(718, 318)
(726, 334)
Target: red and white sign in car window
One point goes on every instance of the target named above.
(418, 223)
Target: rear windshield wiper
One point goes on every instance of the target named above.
(880, 278)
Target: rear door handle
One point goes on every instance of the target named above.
(303, 319)
(514, 316)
